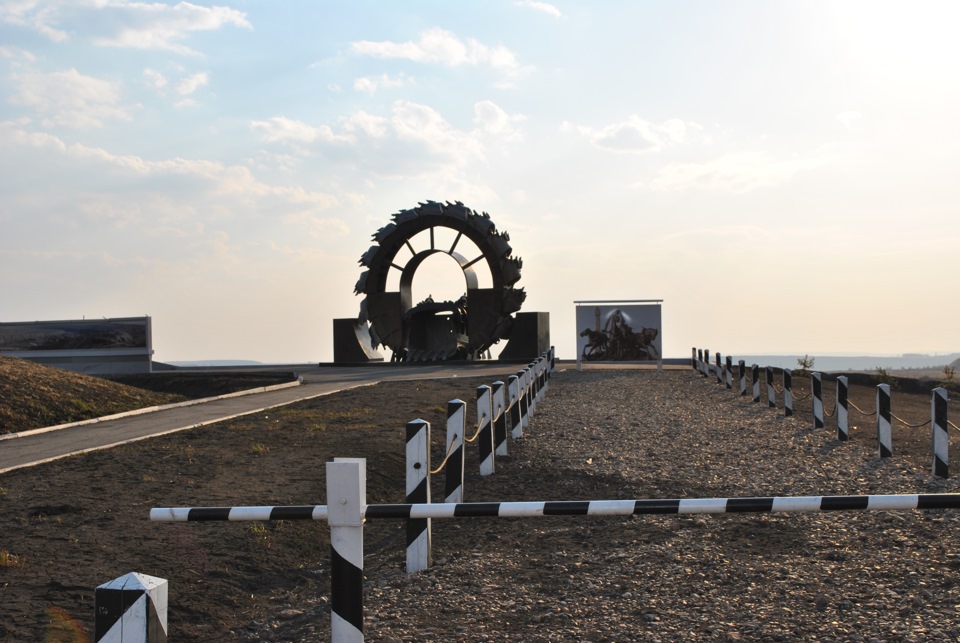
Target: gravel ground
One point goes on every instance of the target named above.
(868, 576)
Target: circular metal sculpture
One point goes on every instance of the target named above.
(426, 331)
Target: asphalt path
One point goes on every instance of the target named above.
(35, 447)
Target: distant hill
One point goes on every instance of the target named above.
(828, 363)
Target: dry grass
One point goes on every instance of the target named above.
(34, 396)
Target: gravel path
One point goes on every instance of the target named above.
(869, 576)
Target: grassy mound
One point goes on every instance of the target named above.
(34, 396)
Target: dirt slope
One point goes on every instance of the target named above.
(34, 396)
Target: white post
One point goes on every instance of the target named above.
(816, 390)
(843, 417)
(516, 424)
(346, 502)
(941, 443)
(456, 430)
(131, 609)
(884, 422)
(771, 392)
(485, 431)
(418, 492)
(499, 419)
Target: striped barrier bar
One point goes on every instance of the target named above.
(843, 411)
(485, 430)
(787, 392)
(884, 422)
(418, 491)
(729, 372)
(816, 390)
(742, 366)
(456, 434)
(513, 392)
(771, 392)
(760, 504)
(347, 497)
(756, 383)
(941, 443)
(499, 420)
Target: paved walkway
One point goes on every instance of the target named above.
(42, 446)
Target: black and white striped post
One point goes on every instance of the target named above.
(787, 392)
(693, 358)
(485, 430)
(843, 412)
(346, 502)
(532, 392)
(884, 422)
(700, 360)
(418, 491)
(541, 380)
(729, 372)
(131, 609)
(513, 392)
(755, 371)
(816, 391)
(456, 432)
(719, 369)
(941, 443)
(499, 419)
(771, 391)
(524, 376)
(706, 362)
(742, 366)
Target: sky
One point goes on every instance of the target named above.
(781, 174)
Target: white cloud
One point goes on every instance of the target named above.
(439, 46)
(281, 129)
(155, 79)
(544, 7)
(31, 15)
(123, 23)
(493, 119)
(735, 173)
(117, 190)
(192, 83)
(424, 125)
(69, 98)
(370, 84)
(411, 141)
(368, 124)
(636, 134)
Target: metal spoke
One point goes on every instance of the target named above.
(455, 242)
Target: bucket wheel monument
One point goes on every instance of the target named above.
(429, 330)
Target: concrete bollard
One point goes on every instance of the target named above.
(131, 609)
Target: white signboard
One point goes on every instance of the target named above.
(611, 331)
